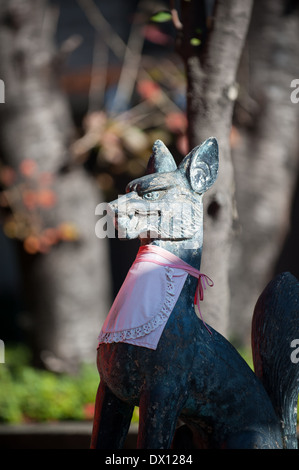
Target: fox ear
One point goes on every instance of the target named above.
(201, 165)
(161, 160)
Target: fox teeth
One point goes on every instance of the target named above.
(147, 213)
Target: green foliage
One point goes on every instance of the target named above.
(29, 394)
(34, 395)
(195, 42)
(247, 356)
(161, 17)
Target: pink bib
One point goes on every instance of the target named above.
(147, 297)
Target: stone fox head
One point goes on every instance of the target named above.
(166, 203)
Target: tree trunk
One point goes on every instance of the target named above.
(68, 289)
(211, 67)
(265, 156)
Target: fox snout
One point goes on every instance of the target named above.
(134, 217)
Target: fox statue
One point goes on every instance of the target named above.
(155, 350)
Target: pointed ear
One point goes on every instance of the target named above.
(201, 165)
(161, 160)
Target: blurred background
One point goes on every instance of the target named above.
(89, 86)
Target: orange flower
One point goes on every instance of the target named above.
(27, 167)
(46, 198)
(32, 245)
(148, 90)
(68, 232)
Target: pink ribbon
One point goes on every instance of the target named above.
(176, 262)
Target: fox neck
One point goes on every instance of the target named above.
(188, 250)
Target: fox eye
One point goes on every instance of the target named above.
(151, 196)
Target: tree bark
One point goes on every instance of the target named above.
(68, 289)
(211, 68)
(265, 156)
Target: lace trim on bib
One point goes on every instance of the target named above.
(153, 324)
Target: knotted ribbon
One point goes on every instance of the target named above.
(173, 261)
